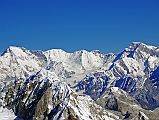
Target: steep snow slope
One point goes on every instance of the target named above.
(18, 62)
(85, 59)
(74, 66)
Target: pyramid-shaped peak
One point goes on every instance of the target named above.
(15, 48)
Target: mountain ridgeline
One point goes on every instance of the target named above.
(56, 85)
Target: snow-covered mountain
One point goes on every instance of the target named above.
(54, 84)
(135, 70)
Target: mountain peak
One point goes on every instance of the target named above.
(10, 49)
(137, 44)
(14, 48)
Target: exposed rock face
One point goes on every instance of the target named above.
(56, 85)
(118, 100)
(50, 99)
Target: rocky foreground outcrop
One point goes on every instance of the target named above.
(49, 99)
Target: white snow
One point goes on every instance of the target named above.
(153, 61)
(6, 114)
(81, 58)
(133, 66)
(18, 61)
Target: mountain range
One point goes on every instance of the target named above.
(83, 85)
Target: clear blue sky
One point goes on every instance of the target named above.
(107, 25)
